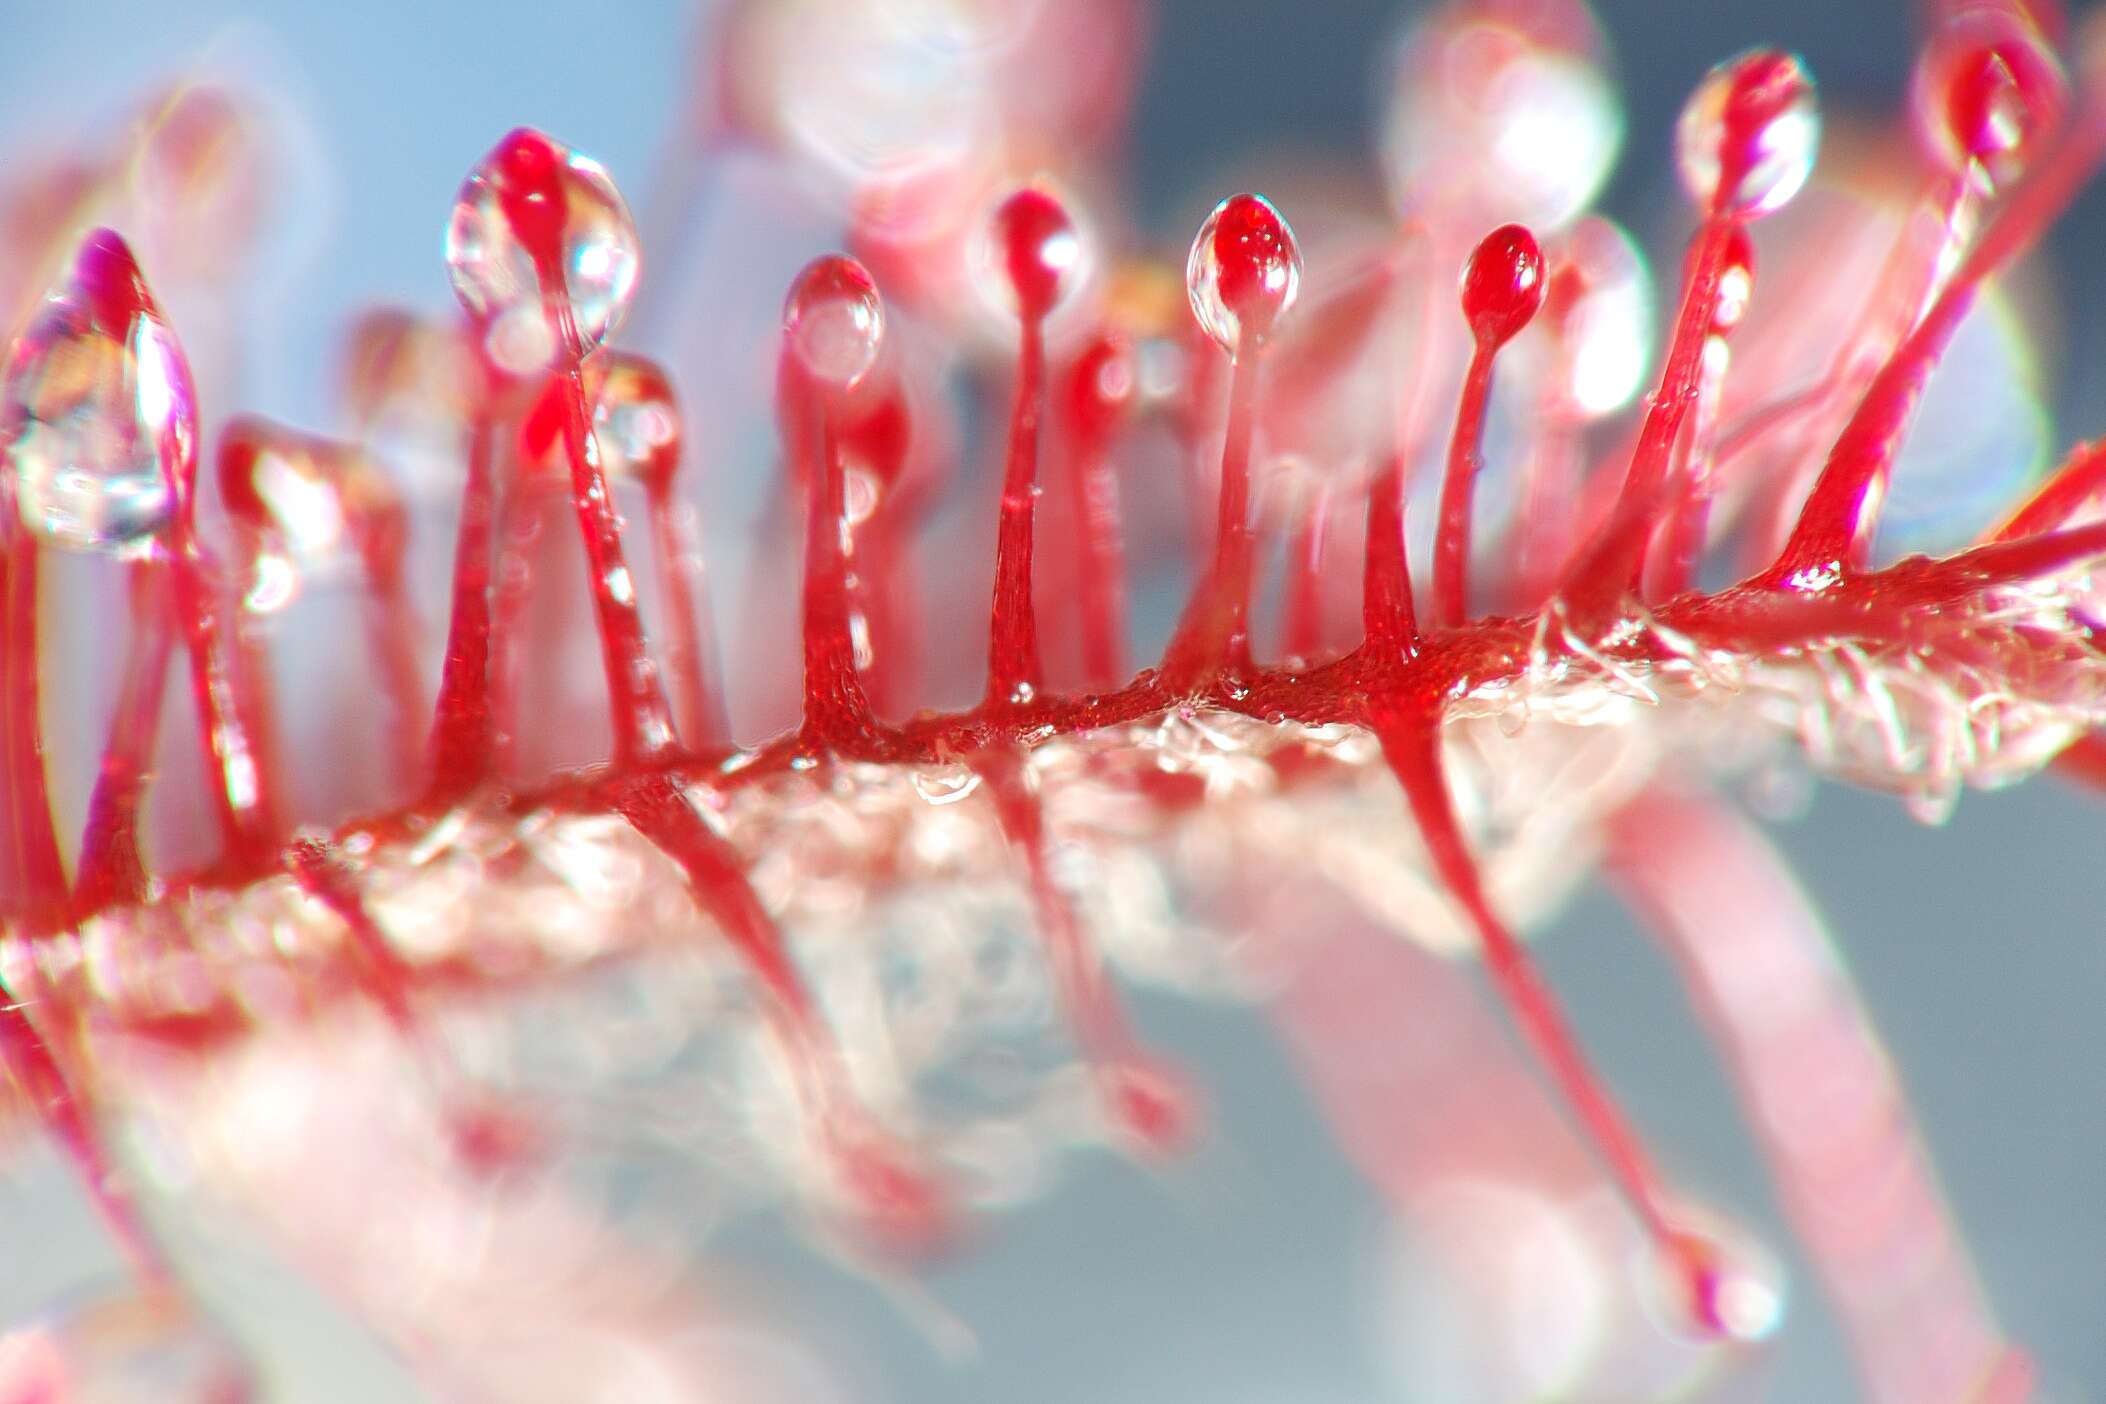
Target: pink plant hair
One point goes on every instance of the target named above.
(334, 1017)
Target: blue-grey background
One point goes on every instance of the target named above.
(1978, 946)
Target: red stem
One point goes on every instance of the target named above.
(1836, 525)
(39, 867)
(1214, 634)
(461, 735)
(1095, 488)
(1451, 545)
(702, 719)
(1411, 744)
(2079, 481)
(836, 709)
(1681, 552)
(1013, 673)
(1388, 619)
(1604, 571)
(248, 820)
(643, 727)
(111, 872)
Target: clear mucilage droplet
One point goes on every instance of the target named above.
(1244, 271)
(534, 206)
(1746, 140)
(833, 321)
(98, 418)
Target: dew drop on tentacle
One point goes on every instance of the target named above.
(833, 322)
(833, 325)
(99, 430)
(1745, 144)
(543, 258)
(535, 209)
(1716, 1287)
(1243, 274)
(1746, 140)
(1031, 260)
(1502, 285)
(100, 421)
(1836, 526)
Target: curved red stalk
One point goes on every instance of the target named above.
(643, 727)
(242, 794)
(533, 203)
(1597, 580)
(1860, 1191)
(1451, 543)
(1835, 527)
(1410, 740)
(2077, 483)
